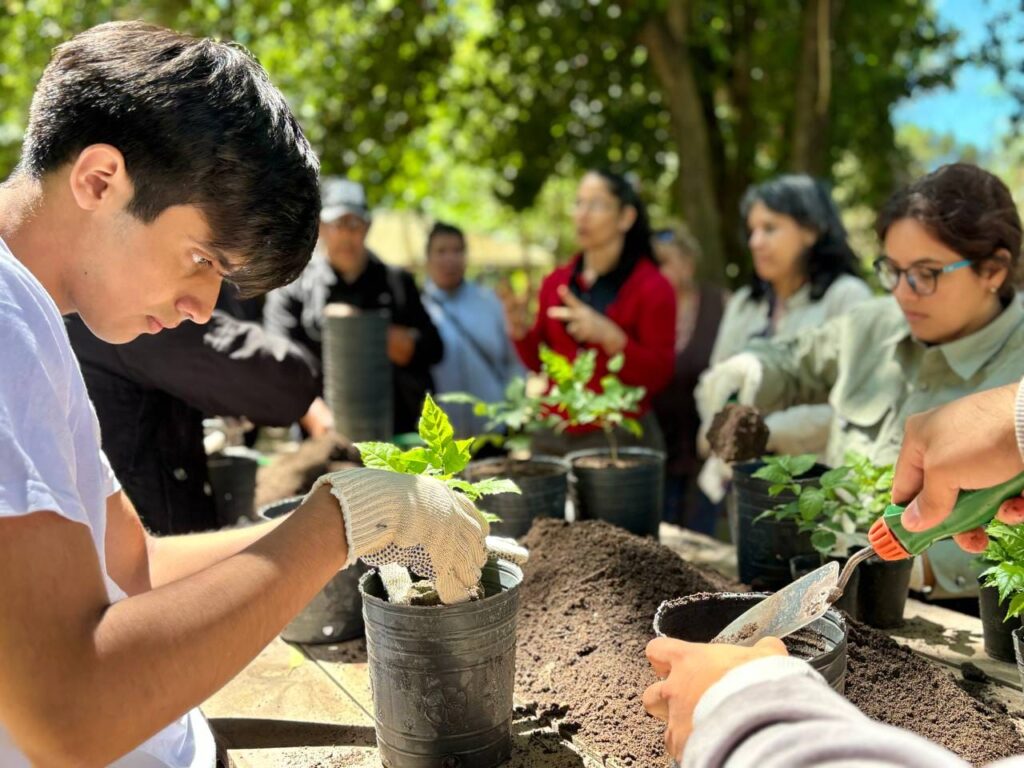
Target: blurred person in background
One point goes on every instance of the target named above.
(610, 297)
(344, 270)
(478, 356)
(698, 314)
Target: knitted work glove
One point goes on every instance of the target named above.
(739, 375)
(414, 521)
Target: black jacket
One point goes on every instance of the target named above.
(151, 396)
(296, 311)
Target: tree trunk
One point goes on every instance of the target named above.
(808, 152)
(666, 41)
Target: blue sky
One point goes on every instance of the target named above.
(976, 109)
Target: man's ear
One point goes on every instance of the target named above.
(99, 179)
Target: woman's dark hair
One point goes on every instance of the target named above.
(637, 244)
(443, 228)
(966, 208)
(809, 202)
(198, 123)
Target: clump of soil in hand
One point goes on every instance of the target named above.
(292, 474)
(586, 606)
(738, 433)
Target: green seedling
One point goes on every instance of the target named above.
(1005, 554)
(441, 456)
(509, 421)
(838, 508)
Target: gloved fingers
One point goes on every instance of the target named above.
(467, 571)
(397, 583)
(507, 549)
(451, 589)
(714, 478)
(751, 377)
(468, 508)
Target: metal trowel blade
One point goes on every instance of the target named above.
(785, 611)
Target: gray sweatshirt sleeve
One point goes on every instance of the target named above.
(778, 713)
(1018, 417)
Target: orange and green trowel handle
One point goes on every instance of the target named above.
(891, 541)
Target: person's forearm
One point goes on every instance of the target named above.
(150, 658)
(177, 557)
(796, 721)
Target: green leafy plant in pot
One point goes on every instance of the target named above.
(542, 480)
(442, 675)
(621, 485)
(1001, 593)
(836, 509)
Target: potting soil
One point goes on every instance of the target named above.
(293, 474)
(586, 606)
(738, 433)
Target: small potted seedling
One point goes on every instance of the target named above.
(620, 485)
(836, 508)
(542, 480)
(1001, 593)
(442, 675)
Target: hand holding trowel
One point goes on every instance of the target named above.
(807, 598)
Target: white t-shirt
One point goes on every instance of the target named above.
(50, 460)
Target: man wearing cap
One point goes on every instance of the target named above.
(344, 270)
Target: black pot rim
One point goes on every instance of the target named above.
(556, 461)
(462, 609)
(635, 451)
(668, 605)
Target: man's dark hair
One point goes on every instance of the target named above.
(443, 228)
(967, 209)
(198, 123)
(809, 202)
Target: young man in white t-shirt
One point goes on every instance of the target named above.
(154, 166)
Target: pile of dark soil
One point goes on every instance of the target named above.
(292, 474)
(512, 469)
(587, 602)
(738, 433)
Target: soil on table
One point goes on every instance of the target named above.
(586, 606)
(738, 433)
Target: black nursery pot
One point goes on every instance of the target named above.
(764, 548)
(543, 480)
(1018, 649)
(233, 482)
(442, 676)
(882, 594)
(698, 618)
(336, 612)
(630, 496)
(997, 635)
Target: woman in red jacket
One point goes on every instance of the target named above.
(610, 297)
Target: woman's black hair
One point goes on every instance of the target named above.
(637, 243)
(809, 202)
(966, 208)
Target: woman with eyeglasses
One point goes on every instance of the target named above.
(952, 326)
(805, 273)
(609, 297)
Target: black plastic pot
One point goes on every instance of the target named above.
(1018, 650)
(336, 612)
(882, 594)
(801, 565)
(630, 497)
(543, 481)
(996, 634)
(233, 482)
(698, 618)
(357, 372)
(764, 548)
(442, 676)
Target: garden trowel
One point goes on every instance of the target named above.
(807, 598)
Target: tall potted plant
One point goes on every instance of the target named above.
(622, 486)
(542, 480)
(836, 508)
(442, 675)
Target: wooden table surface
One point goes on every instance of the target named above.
(309, 706)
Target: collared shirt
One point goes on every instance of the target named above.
(478, 356)
(802, 428)
(875, 374)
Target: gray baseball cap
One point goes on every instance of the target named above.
(339, 196)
